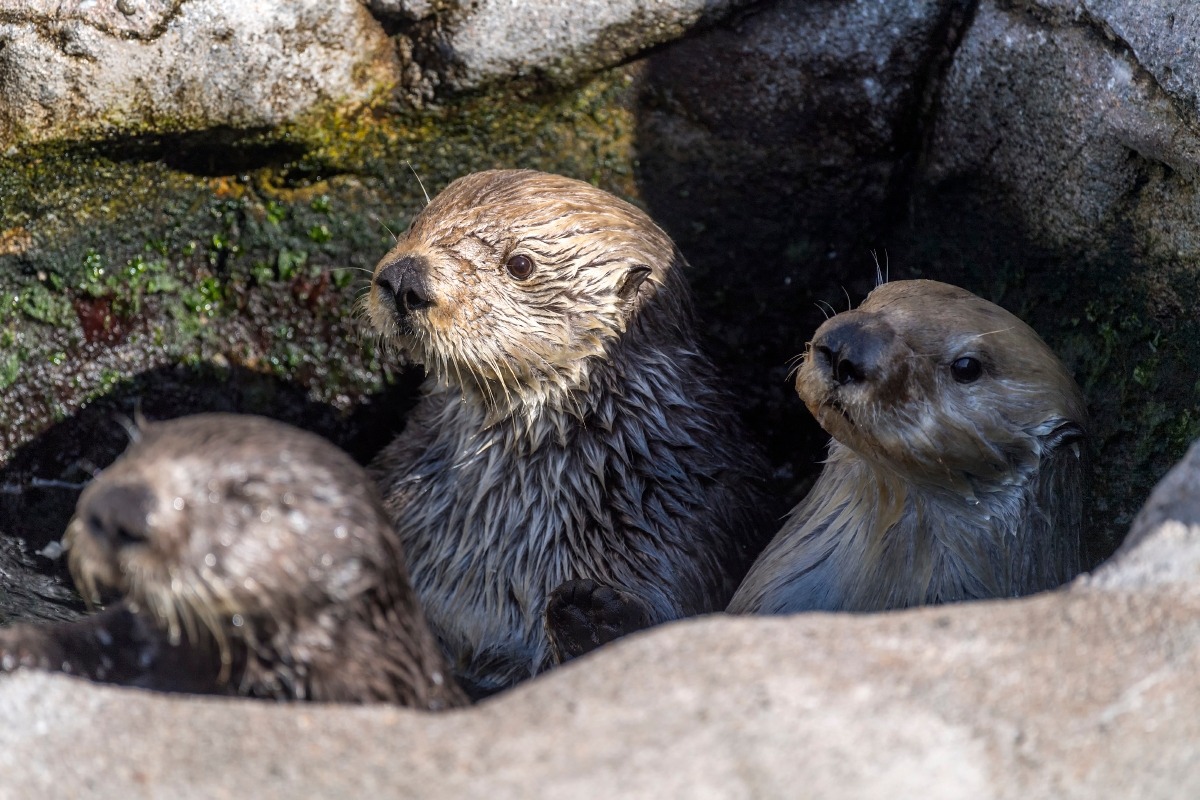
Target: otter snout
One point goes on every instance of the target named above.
(852, 349)
(117, 516)
(405, 284)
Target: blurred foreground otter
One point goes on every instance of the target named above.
(956, 467)
(572, 472)
(253, 559)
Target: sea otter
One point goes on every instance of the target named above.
(249, 558)
(572, 445)
(956, 469)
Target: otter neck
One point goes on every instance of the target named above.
(917, 542)
(551, 410)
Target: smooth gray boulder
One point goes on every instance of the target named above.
(1082, 693)
(90, 70)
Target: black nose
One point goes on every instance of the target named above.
(852, 350)
(405, 281)
(118, 515)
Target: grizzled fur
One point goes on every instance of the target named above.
(569, 428)
(939, 486)
(253, 559)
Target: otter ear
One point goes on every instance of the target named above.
(1065, 434)
(632, 280)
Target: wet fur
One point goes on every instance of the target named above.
(268, 569)
(569, 427)
(934, 491)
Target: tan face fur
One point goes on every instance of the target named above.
(930, 381)
(507, 338)
(200, 521)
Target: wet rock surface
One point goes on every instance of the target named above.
(1081, 135)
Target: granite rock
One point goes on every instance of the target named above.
(1080, 119)
(91, 70)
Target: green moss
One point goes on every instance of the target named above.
(44, 305)
(289, 263)
(10, 368)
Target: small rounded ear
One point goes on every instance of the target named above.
(632, 280)
(1066, 433)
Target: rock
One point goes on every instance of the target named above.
(1086, 692)
(1160, 36)
(479, 43)
(129, 19)
(1079, 117)
(91, 70)
(1164, 544)
(797, 116)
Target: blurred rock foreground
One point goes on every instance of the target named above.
(191, 190)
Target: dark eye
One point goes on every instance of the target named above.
(520, 266)
(966, 369)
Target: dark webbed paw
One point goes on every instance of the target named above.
(581, 615)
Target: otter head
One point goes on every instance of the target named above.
(941, 386)
(234, 523)
(512, 285)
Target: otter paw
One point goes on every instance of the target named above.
(581, 615)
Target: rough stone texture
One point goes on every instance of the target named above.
(1088, 692)
(91, 70)
(798, 113)
(1161, 35)
(129, 19)
(1058, 112)
(479, 43)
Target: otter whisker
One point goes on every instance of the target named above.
(203, 604)
(419, 183)
(881, 277)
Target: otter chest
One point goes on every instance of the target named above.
(487, 536)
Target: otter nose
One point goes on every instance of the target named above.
(404, 281)
(118, 515)
(852, 350)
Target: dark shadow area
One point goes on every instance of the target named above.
(212, 153)
(220, 153)
(40, 484)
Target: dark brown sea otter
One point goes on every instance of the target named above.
(571, 434)
(956, 468)
(253, 559)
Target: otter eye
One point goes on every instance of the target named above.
(966, 369)
(519, 266)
